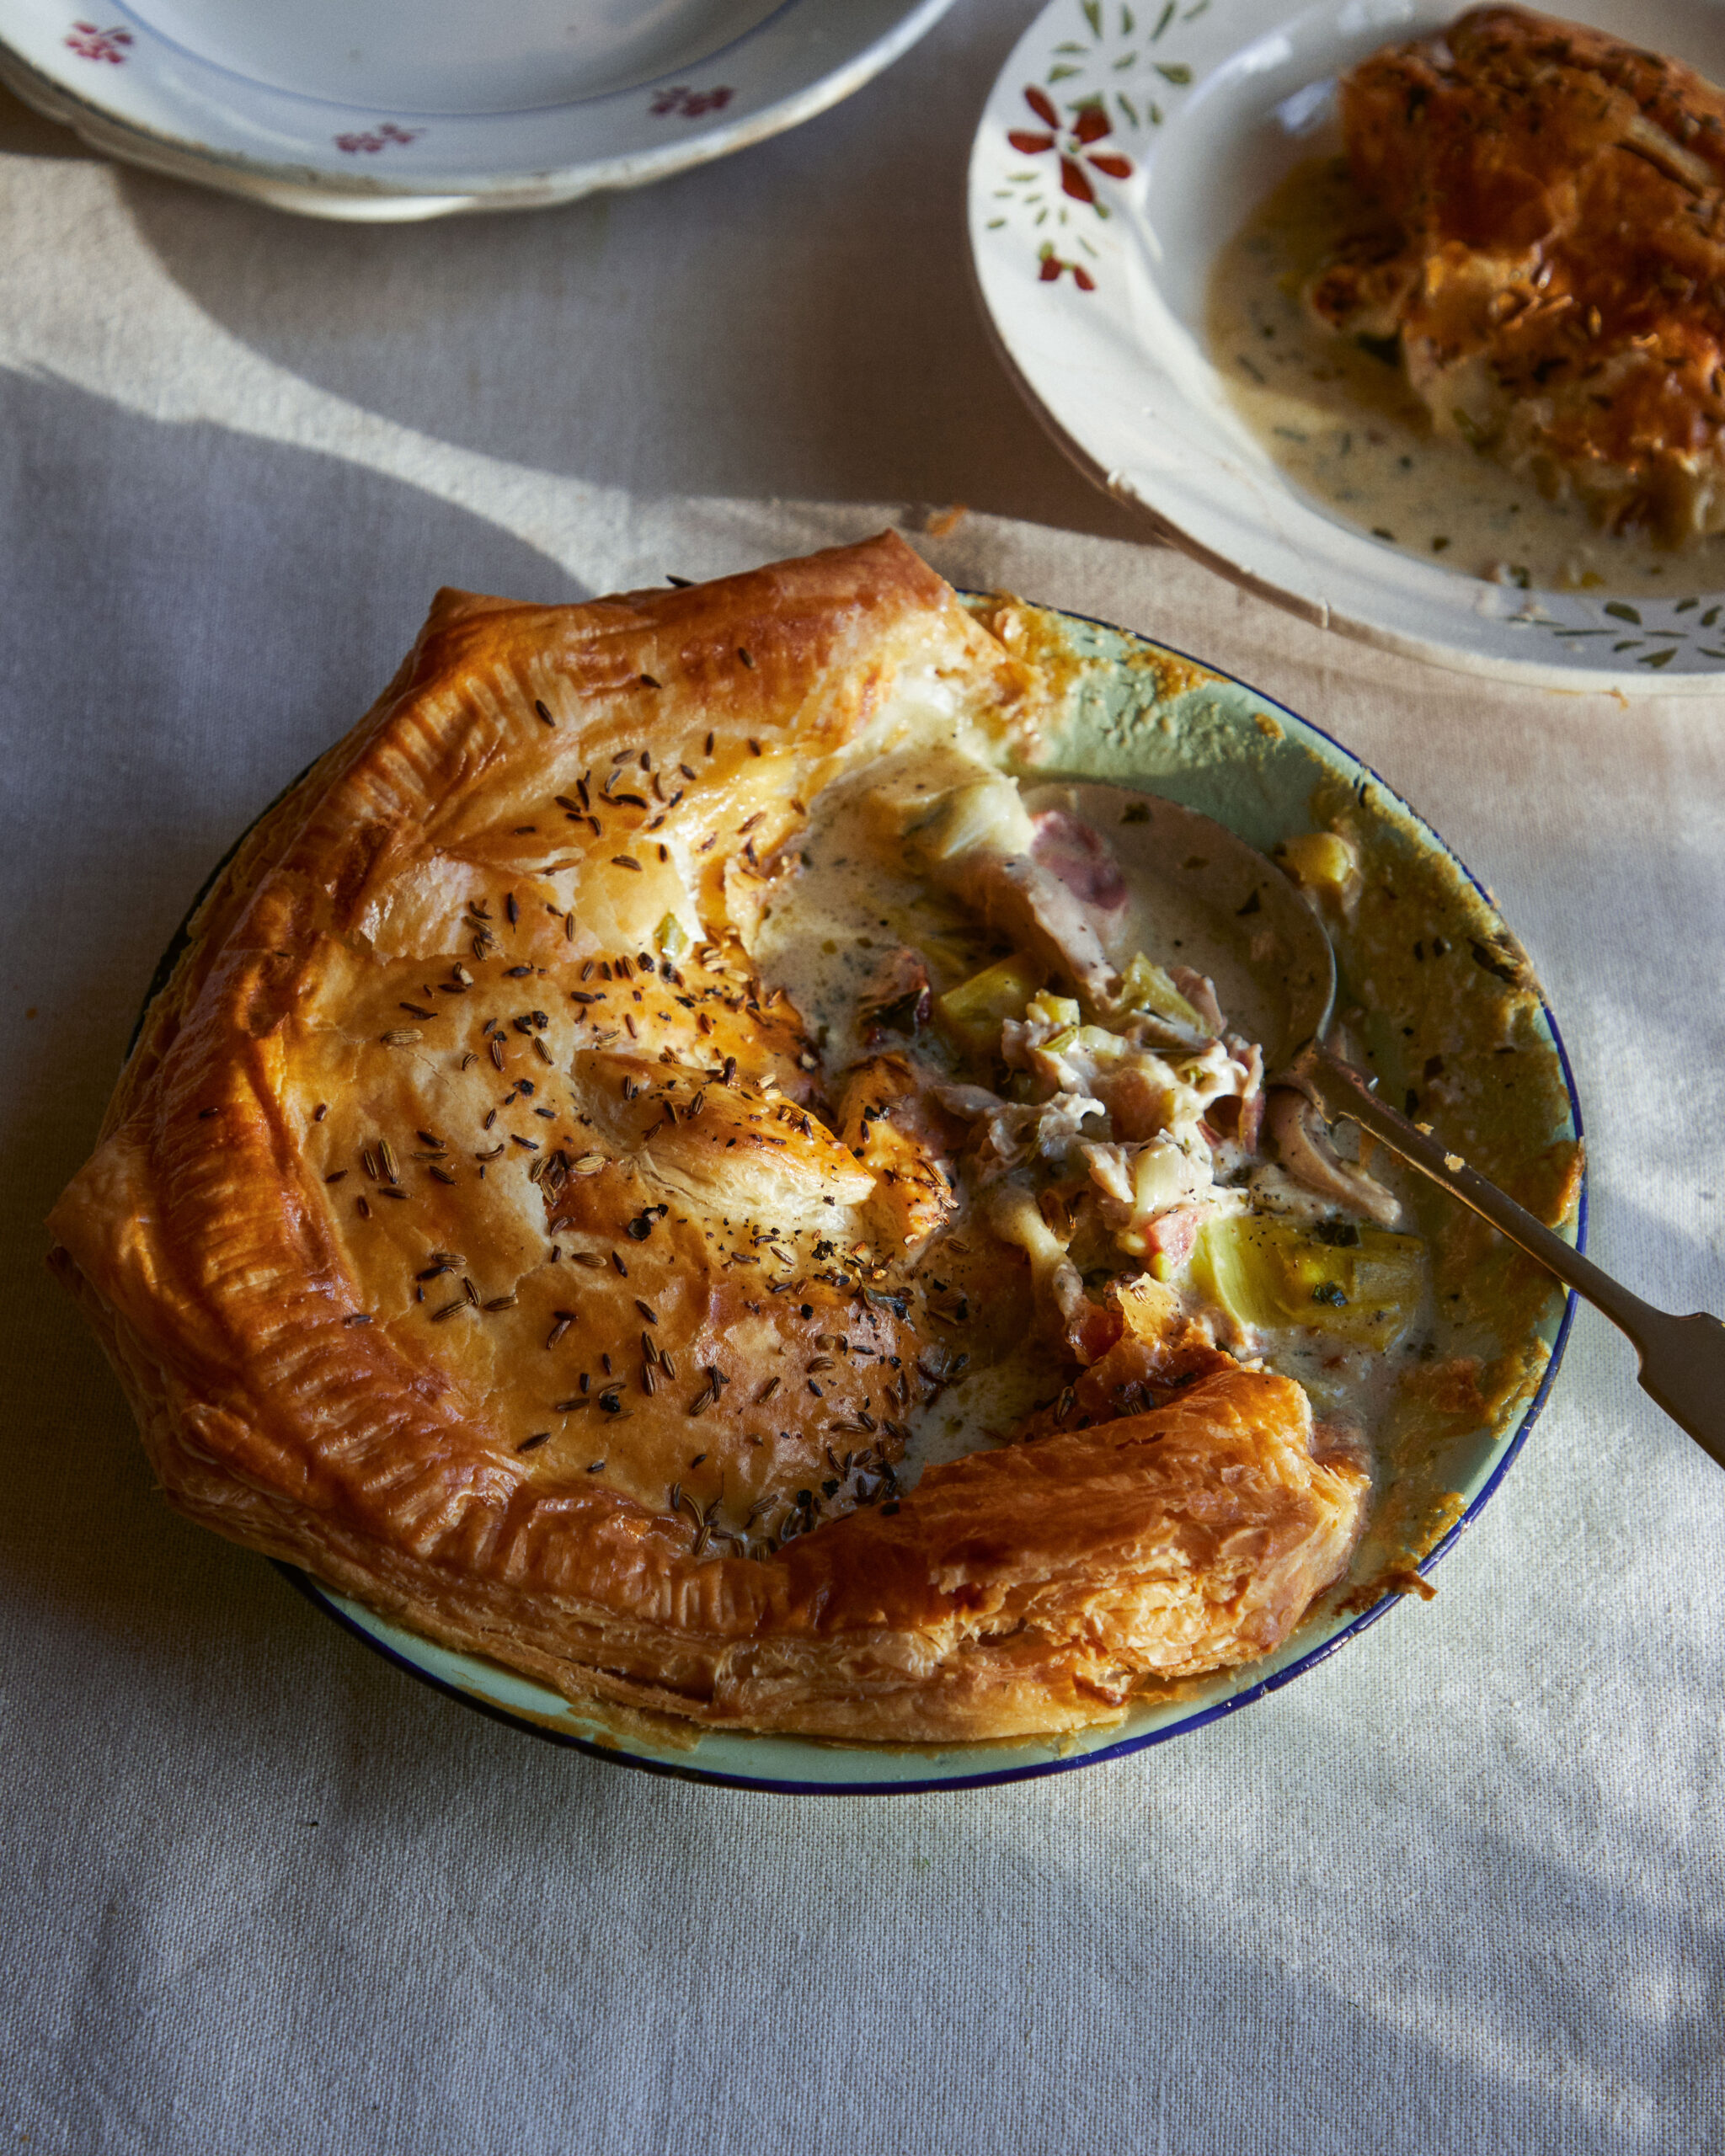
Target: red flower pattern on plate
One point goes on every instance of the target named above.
(377, 138)
(686, 103)
(1090, 124)
(90, 43)
(1055, 265)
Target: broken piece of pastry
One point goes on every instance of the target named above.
(663, 1165)
(1547, 247)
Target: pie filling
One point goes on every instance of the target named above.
(1096, 1187)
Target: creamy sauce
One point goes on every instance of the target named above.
(852, 901)
(1346, 428)
(1169, 922)
(978, 1413)
(1353, 1386)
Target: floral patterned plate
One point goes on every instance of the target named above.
(392, 109)
(1122, 146)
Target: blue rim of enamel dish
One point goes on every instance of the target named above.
(615, 1754)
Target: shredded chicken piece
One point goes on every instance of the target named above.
(1018, 1133)
(1048, 882)
(1013, 893)
(1199, 991)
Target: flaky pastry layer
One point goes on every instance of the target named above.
(471, 1225)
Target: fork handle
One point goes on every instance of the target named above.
(1682, 1358)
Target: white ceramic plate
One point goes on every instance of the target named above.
(392, 109)
(1146, 130)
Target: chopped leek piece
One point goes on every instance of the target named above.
(670, 937)
(974, 1011)
(1146, 986)
(1321, 861)
(1162, 1174)
(988, 812)
(1265, 1270)
(1057, 1010)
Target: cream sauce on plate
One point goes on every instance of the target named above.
(1347, 429)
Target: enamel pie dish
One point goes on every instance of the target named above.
(794, 1356)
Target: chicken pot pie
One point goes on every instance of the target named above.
(616, 1104)
(1548, 255)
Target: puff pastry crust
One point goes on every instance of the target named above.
(472, 1225)
(1552, 264)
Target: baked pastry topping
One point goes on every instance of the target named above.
(663, 1165)
(1548, 248)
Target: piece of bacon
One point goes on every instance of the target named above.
(1171, 1235)
(1083, 861)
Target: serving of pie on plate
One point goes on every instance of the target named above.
(1130, 195)
(666, 1163)
(1547, 250)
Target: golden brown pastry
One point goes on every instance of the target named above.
(1553, 256)
(474, 1225)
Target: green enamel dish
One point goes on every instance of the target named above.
(1435, 979)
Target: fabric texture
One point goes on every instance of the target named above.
(1459, 1888)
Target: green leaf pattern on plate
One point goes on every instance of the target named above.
(1104, 84)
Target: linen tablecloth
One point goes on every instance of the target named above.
(1459, 1889)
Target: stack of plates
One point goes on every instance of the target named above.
(391, 109)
